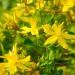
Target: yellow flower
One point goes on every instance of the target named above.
(57, 34)
(28, 1)
(31, 10)
(8, 16)
(14, 61)
(17, 12)
(33, 29)
(57, 2)
(2, 69)
(10, 19)
(67, 4)
(40, 4)
(24, 19)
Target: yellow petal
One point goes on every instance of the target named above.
(57, 27)
(25, 60)
(28, 1)
(40, 4)
(67, 4)
(65, 8)
(63, 43)
(32, 10)
(12, 68)
(21, 66)
(2, 69)
(7, 16)
(68, 36)
(2, 56)
(25, 19)
(57, 2)
(54, 27)
(17, 13)
(60, 26)
(25, 30)
(34, 31)
(51, 40)
(32, 22)
(47, 29)
(15, 49)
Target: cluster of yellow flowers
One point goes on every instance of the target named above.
(65, 4)
(55, 33)
(14, 62)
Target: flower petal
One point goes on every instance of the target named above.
(34, 31)
(25, 30)
(29, 1)
(25, 60)
(12, 68)
(47, 29)
(54, 27)
(32, 22)
(68, 36)
(2, 68)
(63, 43)
(51, 40)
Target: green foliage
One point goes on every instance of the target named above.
(37, 37)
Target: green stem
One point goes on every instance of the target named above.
(2, 48)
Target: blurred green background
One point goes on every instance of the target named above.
(6, 5)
